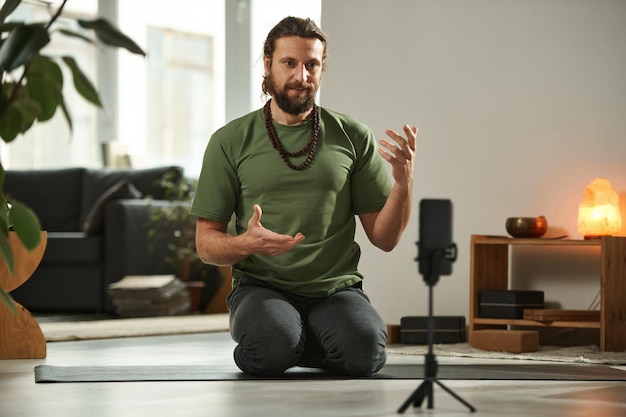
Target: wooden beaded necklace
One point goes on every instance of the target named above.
(285, 155)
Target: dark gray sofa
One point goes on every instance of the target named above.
(97, 222)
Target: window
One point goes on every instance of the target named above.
(181, 105)
(167, 104)
(171, 102)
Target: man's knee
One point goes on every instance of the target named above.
(363, 353)
(267, 357)
(366, 363)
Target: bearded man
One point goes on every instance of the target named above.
(307, 171)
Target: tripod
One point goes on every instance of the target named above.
(425, 390)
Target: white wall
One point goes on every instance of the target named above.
(520, 104)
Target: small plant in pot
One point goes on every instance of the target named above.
(31, 91)
(172, 224)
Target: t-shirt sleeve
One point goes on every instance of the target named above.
(218, 185)
(370, 179)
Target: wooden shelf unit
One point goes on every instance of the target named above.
(489, 270)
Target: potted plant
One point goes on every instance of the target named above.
(31, 91)
(173, 224)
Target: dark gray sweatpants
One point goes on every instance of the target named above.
(276, 330)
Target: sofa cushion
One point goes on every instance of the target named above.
(98, 181)
(94, 223)
(73, 248)
(53, 194)
(146, 180)
(55, 288)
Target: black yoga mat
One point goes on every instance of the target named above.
(545, 372)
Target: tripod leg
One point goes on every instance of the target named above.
(461, 400)
(431, 397)
(425, 389)
(427, 392)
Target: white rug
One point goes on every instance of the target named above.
(576, 354)
(134, 327)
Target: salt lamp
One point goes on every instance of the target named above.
(598, 212)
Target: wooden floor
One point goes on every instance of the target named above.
(20, 396)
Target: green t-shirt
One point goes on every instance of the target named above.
(346, 177)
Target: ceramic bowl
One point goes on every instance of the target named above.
(526, 226)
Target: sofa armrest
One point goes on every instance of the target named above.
(128, 250)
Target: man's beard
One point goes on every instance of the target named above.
(292, 105)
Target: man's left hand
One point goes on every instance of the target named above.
(400, 153)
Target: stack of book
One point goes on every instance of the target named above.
(149, 295)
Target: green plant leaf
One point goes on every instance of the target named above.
(7, 253)
(19, 117)
(45, 85)
(82, 83)
(7, 8)
(21, 45)
(5, 92)
(8, 300)
(29, 109)
(111, 36)
(25, 224)
(7, 27)
(68, 117)
(4, 208)
(77, 35)
(4, 229)
(4, 220)
(11, 124)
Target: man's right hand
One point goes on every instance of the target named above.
(216, 247)
(263, 241)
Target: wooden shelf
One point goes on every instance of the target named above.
(489, 270)
(534, 323)
(503, 240)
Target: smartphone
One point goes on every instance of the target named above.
(435, 237)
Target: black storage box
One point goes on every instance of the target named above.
(507, 304)
(446, 329)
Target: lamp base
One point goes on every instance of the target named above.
(592, 237)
